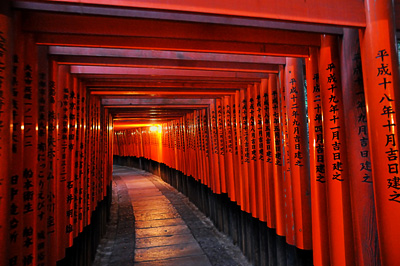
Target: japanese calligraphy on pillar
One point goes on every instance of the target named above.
(30, 170)
(42, 170)
(278, 155)
(260, 128)
(229, 134)
(220, 126)
(16, 172)
(252, 130)
(64, 134)
(267, 129)
(71, 179)
(365, 166)
(298, 156)
(245, 133)
(334, 117)
(51, 155)
(319, 141)
(387, 112)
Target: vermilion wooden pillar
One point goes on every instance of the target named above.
(268, 160)
(286, 172)
(52, 142)
(245, 156)
(229, 166)
(62, 91)
(16, 182)
(236, 146)
(221, 144)
(250, 151)
(360, 170)
(381, 83)
(320, 236)
(214, 162)
(30, 165)
(276, 154)
(6, 55)
(336, 166)
(260, 176)
(42, 158)
(205, 133)
(299, 159)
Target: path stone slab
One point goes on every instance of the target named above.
(158, 223)
(162, 231)
(156, 216)
(167, 252)
(200, 260)
(164, 241)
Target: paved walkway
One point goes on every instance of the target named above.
(169, 229)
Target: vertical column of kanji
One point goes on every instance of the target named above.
(381, 84)
(317, 163)
(42, 159)
(299, 162)
(211, 161)
(164, 143)
(183, 145)
(169, 140)
(175, 134)
(362, 194)
(97, 162)
(287, 177)
(276, 154)
(81, 153)
(260, 176)
(221, 144)
(230, 176)
(92, 157)
(268, 161)
(52, 178)
(6, 54)
(100, 151)
(245, 155)
(339, 205)
(191, 143)
(111, 145)
(30, 173)
(89, 161)
(236, 146)
(206, 145)
(252, 151)
(179, 144)
(62, 151)
(103, 154)
(77, 154)
(188, 150)
(71, 179)
(86, 176)
(196, 145)
(216, 182)
(16, 168)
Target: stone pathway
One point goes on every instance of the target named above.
(161, 225)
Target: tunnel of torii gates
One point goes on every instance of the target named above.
(287, 107)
